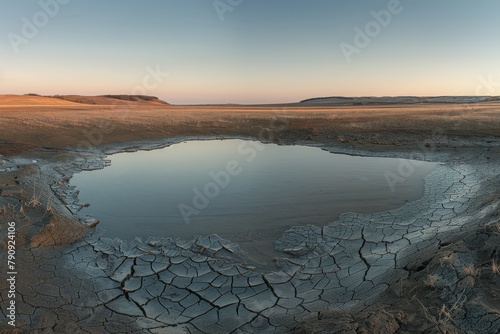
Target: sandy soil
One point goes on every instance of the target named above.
(49, 128)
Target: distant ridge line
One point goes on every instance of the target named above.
(367, 100)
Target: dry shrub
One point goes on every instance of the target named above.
(431, 281)
(497, 227)
(3, 210)
(471, 270)
(444, 319)
(448, 260)
(14, 213)
(59, 231)
(495, 267)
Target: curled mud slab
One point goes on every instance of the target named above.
(208, 285)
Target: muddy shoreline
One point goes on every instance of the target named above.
(339, 275)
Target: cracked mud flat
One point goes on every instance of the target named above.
(208, 285)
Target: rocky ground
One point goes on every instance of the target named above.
(432, 266)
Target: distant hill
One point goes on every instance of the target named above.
(31, 100)
(368, 100)
(61, 100)
(147, 98)
(111, 99)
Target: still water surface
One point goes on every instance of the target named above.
(244, 191)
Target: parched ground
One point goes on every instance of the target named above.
(431, 266)
(35, 122)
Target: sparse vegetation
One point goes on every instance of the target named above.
(471, 270)
(446, 314)
(23, 222)
(59, 231)
(448, 260)
(34, 201)
(495, 267)
(37, 220)
(443, 318)
(431, 281)
(49, 208)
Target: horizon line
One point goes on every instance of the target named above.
(266, 103)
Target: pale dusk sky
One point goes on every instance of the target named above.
(250, 51)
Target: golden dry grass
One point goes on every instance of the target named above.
(30, 100)
(107, 120)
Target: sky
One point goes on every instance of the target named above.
(250, 51)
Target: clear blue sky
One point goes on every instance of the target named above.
(263, 50)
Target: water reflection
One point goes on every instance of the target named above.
(244, 191)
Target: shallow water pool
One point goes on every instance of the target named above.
(244, 191)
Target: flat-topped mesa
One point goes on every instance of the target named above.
(111, 99)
